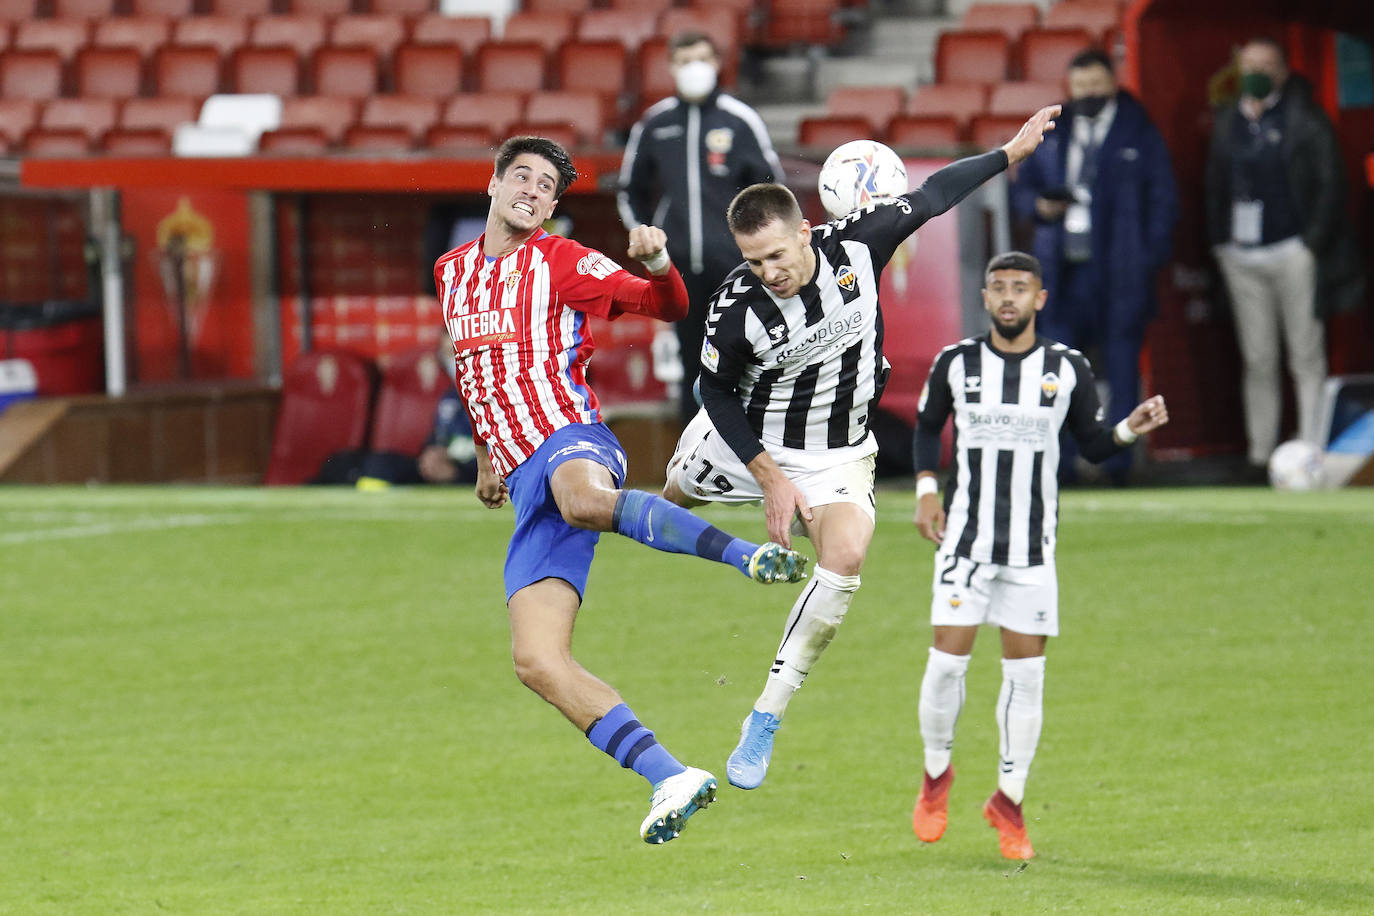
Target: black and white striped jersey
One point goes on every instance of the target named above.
(1002, 499)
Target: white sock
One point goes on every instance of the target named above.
(942, 697)
(1020, 711)
(815, 617)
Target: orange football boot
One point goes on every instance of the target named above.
(932, 808)
(1005, 815)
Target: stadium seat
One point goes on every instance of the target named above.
(351, 72)
(403, 7)
(496, 110)
(174, 9)
(584, 110)
(563, 133)
(378, 139)
(164, 113)
(432, 70)
(111, 73)
(653, 76)
(30, 75)
(381, 32)
(1095, 17)
(271, 69)
(18, 10)
(1009, 18)
(145, 34)
(1045, 53)
(223, 33)
(82, 9)
(657, 6)
(190, 70)
(971, 57)
(240, 8)
(406, 400)
(557, 6)
(828, 131)
(18, 117)
(324, 409)
(92, 117)
(1021, 100)
(630, 27)
(293, 141)
(879, 104)
(596, 66)
(800, 22)
(320, 7)
(450, 137)
(466, 32)
(56, 143)
(147, 141)
(923, 131)
(303, 34)
(327, 116)
(509, 66)
(960, 101)
(64, 36)
(416, 114)
(548, 30)
(991, 131)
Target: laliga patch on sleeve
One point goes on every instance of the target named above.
(710, 356)
(596, 265)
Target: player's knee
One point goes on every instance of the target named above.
(537, 671)
(844, 560)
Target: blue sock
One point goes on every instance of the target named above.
(655, 522)
(633, 746)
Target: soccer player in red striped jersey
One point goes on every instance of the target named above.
(516, 302)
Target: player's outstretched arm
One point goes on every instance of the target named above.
(491, 489)
(1031, 134)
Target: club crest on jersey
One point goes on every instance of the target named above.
(848, 282)
(1049, 385)
(511, 279)
(596, 265)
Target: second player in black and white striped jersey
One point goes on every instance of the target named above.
(792, 367)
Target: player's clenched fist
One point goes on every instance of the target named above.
(647, 246)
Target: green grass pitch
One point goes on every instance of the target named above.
(246, 701)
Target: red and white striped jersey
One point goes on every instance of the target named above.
(521, 336)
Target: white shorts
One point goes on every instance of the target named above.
(1023, 599)
(704, 467)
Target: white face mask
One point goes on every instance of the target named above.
(695, 80)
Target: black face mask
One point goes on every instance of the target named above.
(1090, 106)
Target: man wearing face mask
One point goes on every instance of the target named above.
(1100, 194)
(1276, 218)
(684, 161)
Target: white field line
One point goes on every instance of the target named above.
(118, 527)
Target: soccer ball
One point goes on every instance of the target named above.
(858, 173)
(1296, 465)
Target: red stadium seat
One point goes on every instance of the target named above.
(879, 104)
(1096, 17)
(224, 33)
(584, 110)
(657, 6)
(30, 75)
(960, 101)
(510, 66)
(92, 117)
(145, 34)
(65, 36)
(18, 117)
(496, 110)
(452, 138)
(630, 27)
(1009, 18)
(164, 113)
(971, 57)
(558, 6)
(402, 7)
(193, 70)
(144, 142)
(923, 131)
(378, 139)
(595, 66)
(351, 72)
(272, 69)
(829, 131)
(330, 117)
(409, 394)
(320, 7)
(82, 9)
(18, 10)
(1021, 100)
(293, 141)
(324, 409)
(549, 30)
(416, 114)
(432, 70)
(302, 33)
(1045, 53)
(654, 78)
(561, 132)
(800, 22)
(58, 143)
(991, 131)
(111, 73)
(466, 32)
(241, 8)
(175, 9)
(382, 32)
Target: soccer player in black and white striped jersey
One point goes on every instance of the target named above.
(792, 367)
(1010, 393)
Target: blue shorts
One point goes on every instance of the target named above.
(544, 545)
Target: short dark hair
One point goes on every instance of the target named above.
(1092, 57)
(540, 146)
(691, 37)
(758, 205)
(1015, 260)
